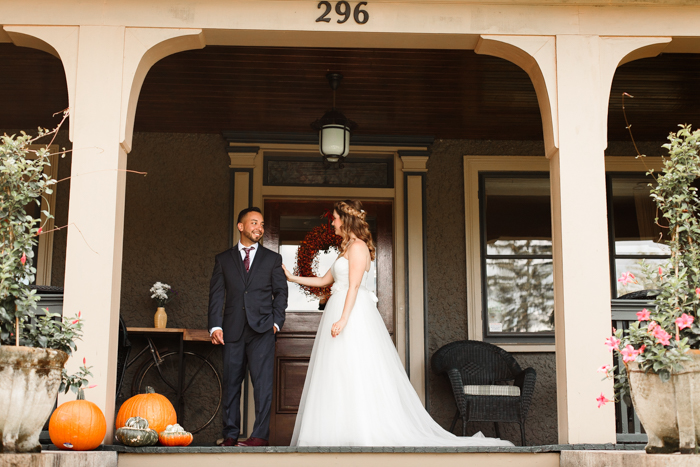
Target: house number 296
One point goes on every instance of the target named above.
(342, 8)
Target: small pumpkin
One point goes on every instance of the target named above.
(155, 408)
(175, 435)
(77, 425)
(136, 433)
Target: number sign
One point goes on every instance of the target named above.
(343, 10)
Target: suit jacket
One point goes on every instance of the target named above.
(236, 296)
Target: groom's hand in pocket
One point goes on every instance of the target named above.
(217, 337)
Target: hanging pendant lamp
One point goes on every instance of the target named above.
(334, 129)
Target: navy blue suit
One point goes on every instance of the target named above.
(246, 305)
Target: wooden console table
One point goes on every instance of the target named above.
(182, 335)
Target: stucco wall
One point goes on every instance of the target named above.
(447, 293)
(175, 222)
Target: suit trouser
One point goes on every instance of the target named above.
(255, 351)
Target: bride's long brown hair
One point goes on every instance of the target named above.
(353, 217)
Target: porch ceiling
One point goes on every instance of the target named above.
(442, 93)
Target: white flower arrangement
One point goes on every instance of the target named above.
(161, 293)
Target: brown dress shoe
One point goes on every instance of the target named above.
(250, 442)
(230, 442)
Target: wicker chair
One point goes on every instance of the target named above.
(480, 374)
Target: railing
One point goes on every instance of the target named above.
(629, 429)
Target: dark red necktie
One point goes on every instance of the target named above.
(246, 261)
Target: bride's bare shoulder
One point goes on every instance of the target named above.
(357, 245)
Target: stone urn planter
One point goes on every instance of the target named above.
(29, 381)
(670, 412)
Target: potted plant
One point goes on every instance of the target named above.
(33, 349)
(661, 350)
(162, 293)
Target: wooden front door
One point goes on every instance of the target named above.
(286, 224)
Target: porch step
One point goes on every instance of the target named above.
(60, 459)
(626, 459)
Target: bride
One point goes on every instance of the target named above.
(356, 391)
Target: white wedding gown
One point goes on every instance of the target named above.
(356, 391)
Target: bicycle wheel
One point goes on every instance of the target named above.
(201, 388)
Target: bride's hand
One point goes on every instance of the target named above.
(288, 274)
(337, 327)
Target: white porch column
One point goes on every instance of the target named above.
(585, 68)
(105, 68)
(572, 75)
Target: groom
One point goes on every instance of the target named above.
(247, 301)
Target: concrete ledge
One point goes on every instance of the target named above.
(60, 459)
(336, 459)
(626, 459)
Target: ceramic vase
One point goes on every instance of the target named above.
(160, 319)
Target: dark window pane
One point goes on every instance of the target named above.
(634, 211)
(518, 215)
(520, 295)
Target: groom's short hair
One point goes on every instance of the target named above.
(245, 212)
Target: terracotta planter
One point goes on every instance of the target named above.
(670, 412)
(29, 381)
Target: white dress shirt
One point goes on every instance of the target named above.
(251, 257)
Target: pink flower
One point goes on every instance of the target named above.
(685, 321)
(661, 335)
(641, 349)
(75, 321)
(604, 369)
(652, 325)
(627, 278)
(38, 232)
(628, 354)
(697, 291)
(612, 342)
(78, 314)
(602, 400)
(91, 386)
(660, 272)
(23, 259)
(84, 361)
(643, 315)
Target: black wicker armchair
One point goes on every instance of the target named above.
(481, 375)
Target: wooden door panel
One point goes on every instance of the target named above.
(291, 373)
(295, 340)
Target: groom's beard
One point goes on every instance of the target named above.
(251, 237)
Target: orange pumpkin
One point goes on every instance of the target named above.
(77, 425)
(174, 435)
(155, 408)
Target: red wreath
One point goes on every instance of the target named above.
(321, 238)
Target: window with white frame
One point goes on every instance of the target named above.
(516, 256)
(508, 238)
